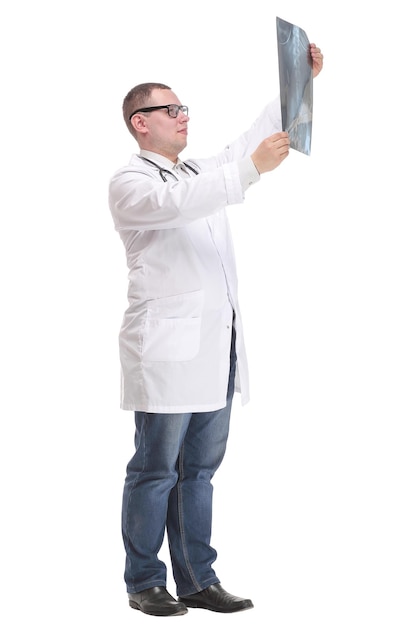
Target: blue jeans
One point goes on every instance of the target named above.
(168, 486)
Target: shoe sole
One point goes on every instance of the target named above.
(199, 605)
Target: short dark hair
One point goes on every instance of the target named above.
(136, 98)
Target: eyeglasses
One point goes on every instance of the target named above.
(173, 110)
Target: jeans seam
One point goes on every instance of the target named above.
(181, 521)
(138, 476)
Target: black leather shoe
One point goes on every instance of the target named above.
(215, 598)
(156, 601)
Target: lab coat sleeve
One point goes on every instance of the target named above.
(139, 201)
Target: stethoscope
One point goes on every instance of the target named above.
(163, 171)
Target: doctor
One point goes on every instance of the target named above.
(181, 344)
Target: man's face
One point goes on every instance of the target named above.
(161, 133)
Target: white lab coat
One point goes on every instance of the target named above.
(176, 332)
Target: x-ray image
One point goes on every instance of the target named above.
(296, 84)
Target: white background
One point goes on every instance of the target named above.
(315, 504)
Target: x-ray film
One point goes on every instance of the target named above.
(296, 84)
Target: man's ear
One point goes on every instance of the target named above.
(139, 124)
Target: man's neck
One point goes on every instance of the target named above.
(173, 157)
(158, 156)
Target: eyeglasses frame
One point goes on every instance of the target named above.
(181, 107)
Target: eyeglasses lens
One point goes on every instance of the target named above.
(174, 109)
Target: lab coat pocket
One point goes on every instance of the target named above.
(172, 328)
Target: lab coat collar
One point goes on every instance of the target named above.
(159, 159)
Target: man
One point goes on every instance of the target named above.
(181, 343)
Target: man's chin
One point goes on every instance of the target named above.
(182, 146)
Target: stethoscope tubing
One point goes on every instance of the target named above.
(163, 171)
